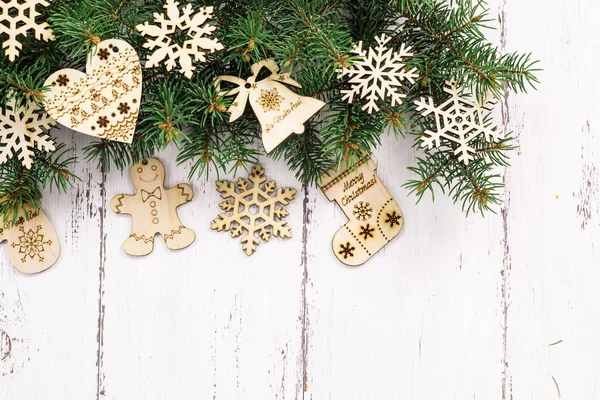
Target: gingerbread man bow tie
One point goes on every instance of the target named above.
(156, 193)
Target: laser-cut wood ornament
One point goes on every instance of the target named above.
(459, 120)
(22, 130)
(378, 74)
(105, 100)
(188, 21)
(374, 216)
(280, 111)
(153, 209)
(18, 18)
(33, 244)
(254, 210)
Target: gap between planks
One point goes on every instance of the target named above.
(506, 388)
(101, 275)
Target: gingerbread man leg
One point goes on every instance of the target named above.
(374, 216)
(180, 238)
(139, 245)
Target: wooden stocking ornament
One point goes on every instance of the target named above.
(279, 110)
(103, 102)
(33, 244)
(153, 209)
(374, 216)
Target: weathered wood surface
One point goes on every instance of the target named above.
(454, 308)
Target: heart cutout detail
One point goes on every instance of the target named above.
(103, 102)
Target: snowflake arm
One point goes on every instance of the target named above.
(281, 229)
(249, 243)
(286, 195)
(223, 222)
(21, 130)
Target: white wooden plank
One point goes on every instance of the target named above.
(207, 321)
(552, 222)
(420, 308)
(48, 322)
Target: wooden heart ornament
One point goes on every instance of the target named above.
(103, 102)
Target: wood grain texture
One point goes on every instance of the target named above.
(453, 308)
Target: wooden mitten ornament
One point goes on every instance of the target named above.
(103, 102)
(280, 111)
(33, 244)
(374, 216)
(153, 209)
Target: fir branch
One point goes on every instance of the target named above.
(310, 39)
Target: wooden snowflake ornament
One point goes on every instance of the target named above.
(280, 111)
(192, 24)
(374, 216)
(378, 74)
(103, 102)
(18, 18)
(154, 209)
(253, 210)
(33, 244)
(459, 121)
(21, 130)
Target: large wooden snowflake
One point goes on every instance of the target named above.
(459, 121)
(191, 24)
(378, 74)
(254, 209)
(21, 129)
(18, 17)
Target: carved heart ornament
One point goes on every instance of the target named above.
(103, 102)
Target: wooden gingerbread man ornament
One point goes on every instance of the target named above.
(154, 209)
(374, 216)
(33, 244)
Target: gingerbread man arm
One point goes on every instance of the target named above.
(122, 204)
(180, 194)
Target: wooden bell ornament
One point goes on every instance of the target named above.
(33, 244)
(280, 111)
(374, 216)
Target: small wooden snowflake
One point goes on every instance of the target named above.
(460, 121)
(22, 131)
(347, 250)
(378, 74)
(191, 24)
(270, 100)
